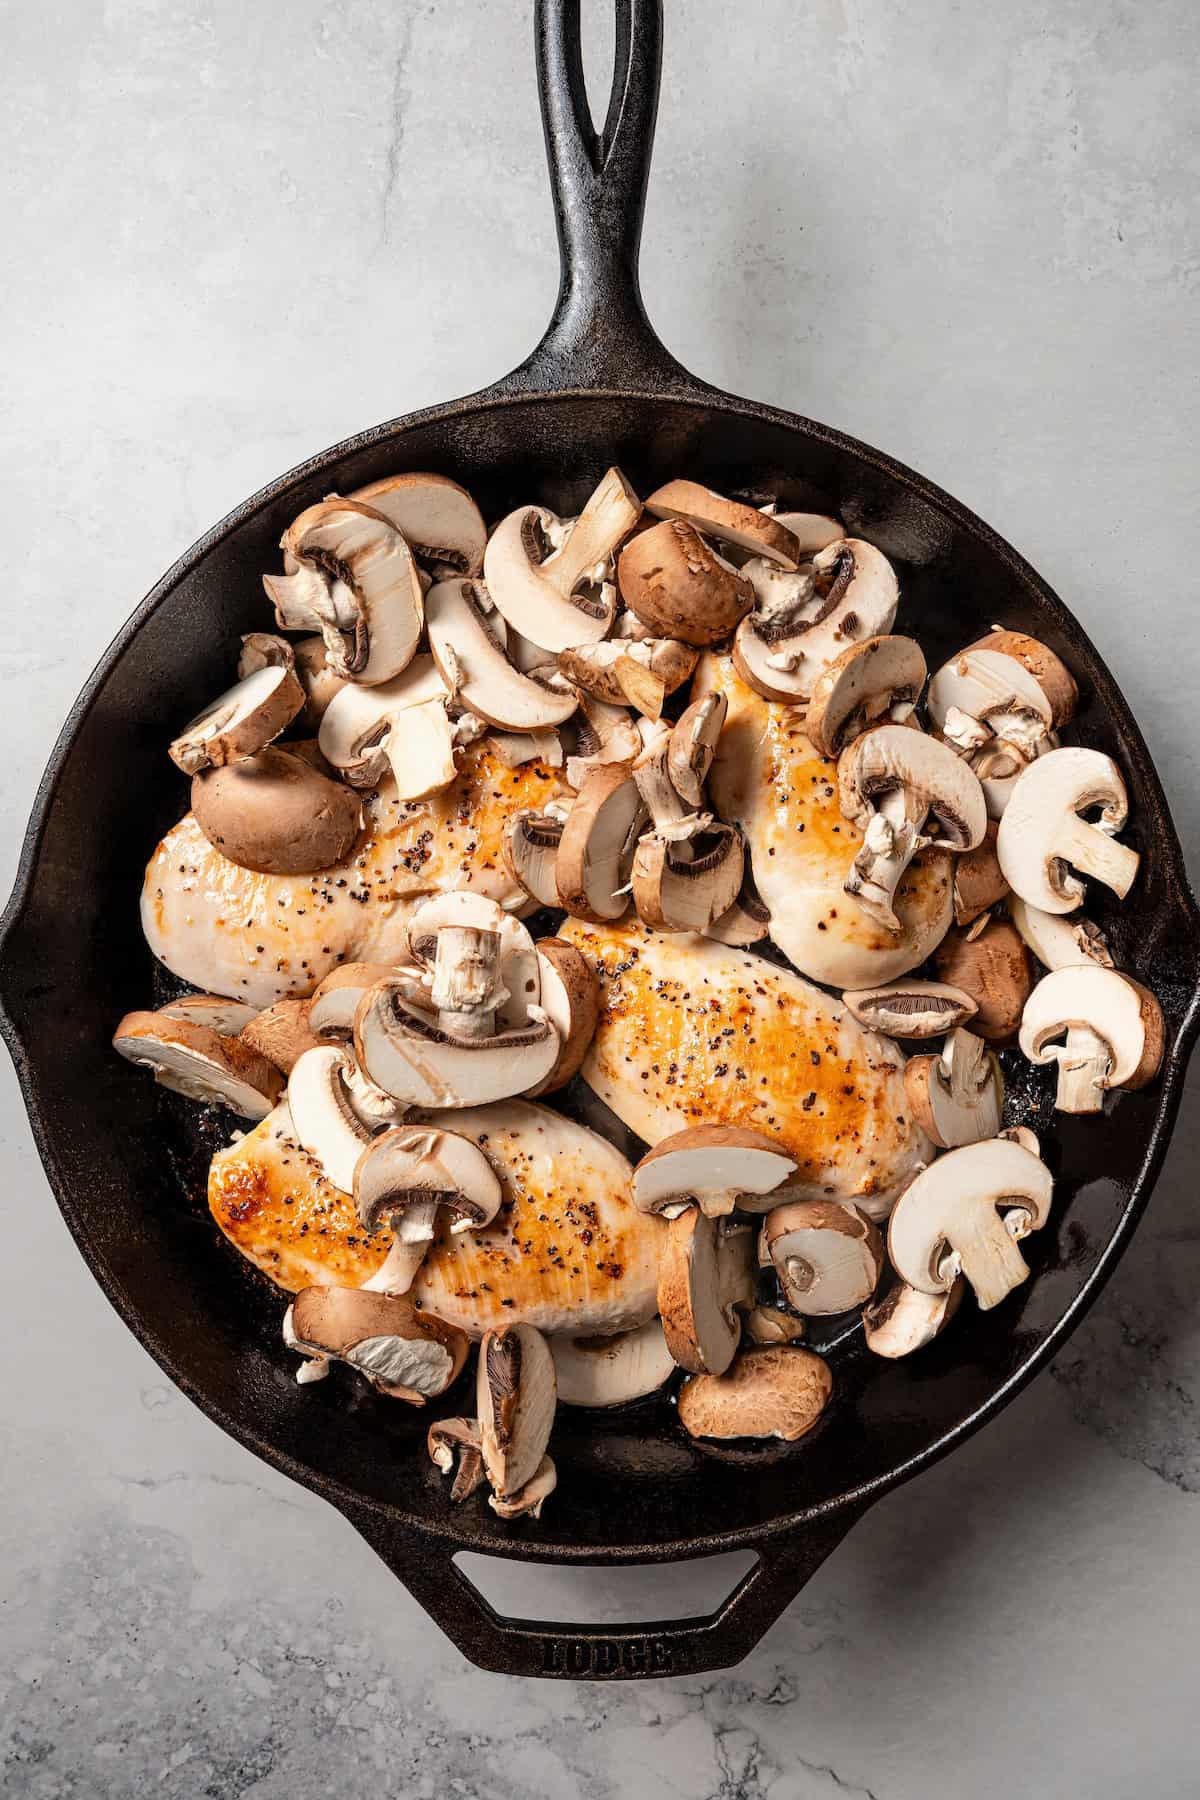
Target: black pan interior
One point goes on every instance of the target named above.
(129, 1164)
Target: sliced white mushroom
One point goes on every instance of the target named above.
(906, 1319)
(1059, 940)
(879, 679)
(529, 845)
(531, 1498)
(812, 531)
(474, 666)
(404, 1353)
(570, 999)
(596, 851)
(779, 1391)
(402, 724)
(240, 722)
(465, 908)
(603, 735)
(623, 672)
(714, 1167)
(516, 748)
(404, 1051)
(703, 1274)
(729, 521)
(828, 1255)
(957, 1097)
(455, 1449)
(1042, 836)
(408, 1176)
(227, 1017)
(679, 587)
(516, 1394)
(441, 523)
(688, 893)
(1013, 687)
(199, 1062)
(335, 999)
(802, 621)
(747, 921)
(612, 1371)
(911, 1009)
(964, 1214)
(263, 650)
(693, 745)
(1111, 1030)
(356, 547)
(325, 1123)
(891, 781)
(537, 589)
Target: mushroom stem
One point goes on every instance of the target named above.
(398, 1270)
(674, 821)
(1083, 1064)
(467, 987)
(718, 1204)
(608, 516)
(891, 840)
(1093, 852)
(800, 1274)
(989, 1259)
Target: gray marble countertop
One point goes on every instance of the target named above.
(236, 233)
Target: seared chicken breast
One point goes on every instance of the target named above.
(567, 1251)
(768, 779)
(258, 937)
(692, 1033)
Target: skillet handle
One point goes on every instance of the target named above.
(599, 336)
(562, 1651)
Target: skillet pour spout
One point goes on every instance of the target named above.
(127, 1164)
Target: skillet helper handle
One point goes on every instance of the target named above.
(599, 335)
(562, 1651)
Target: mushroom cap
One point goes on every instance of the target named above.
(828, 1255)
(674, 894)
(729, 521)
(1059, 940)
(878, 676)
(778, 1391)
(1116, 1009)
(357, 723)
(1041, 834)
(978, 878)
(405, 1052)
(239, 722)
(364, 551)
(598, 844)
(281, 1033)
(889, 758)
(198, 1062)
(612, 1371)
(409, 1163)
(994, 969)
(947, 1221)
(404, 1353)
(906, 1320)
(679, 587)
(801, 622)
(516, 1394)
(570, 998)
(439, 520)
(911, 1009)
(698, 1284)
(276, 813)
(712, 1160)
(530, 846)
(473, 664)
(335, 999)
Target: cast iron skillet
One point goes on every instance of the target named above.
(599, 389)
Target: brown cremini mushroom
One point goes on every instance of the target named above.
(404, 1353)
(828, 1256)
(596, 850)
(516, 1394)
(802, 621)
(198, 1062)
(410, 1176)
(611, 1371)
(1111, 1032)
(949, 1221)
(440, 522)
(704, 1272)
(714, 1167)
(957, 1097)
(281, 1033)
(778, 1391)
(729, 521)
(240, 722)
(452, 1442)
(906, 1320)
(978, 879)
(570, 998)
(276, 813)
(551, 595)
(993, 967)
(679, 587)
(911, 1009)
(869, 682)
